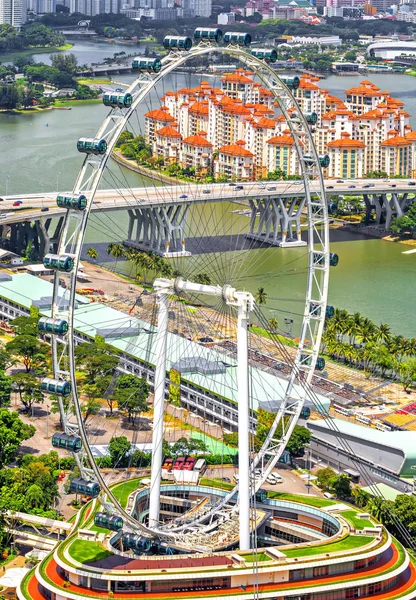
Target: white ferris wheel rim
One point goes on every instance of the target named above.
(317, 278)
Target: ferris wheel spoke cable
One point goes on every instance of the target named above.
(198, 52)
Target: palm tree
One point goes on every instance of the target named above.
(273, 324)
(92, 253)
(383, 332)
(361, 497)
(116, 250)
(261, 296)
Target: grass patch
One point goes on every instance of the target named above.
(351, 517)
(123, 490)
(309, 500)
(257, 557)
(93, 80)
(63, 103)
(273, 336)
(85, 551)
(351, 542)
(216, 483)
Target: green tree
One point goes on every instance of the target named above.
(124, 137)
(273, 324)
(261, 296)
(119, 448)
(116, 250)
(26, 325)
(184, 447)
(92, 253)
(203, 279)
(132, 394)
(30, 351)
(28, 388)
(326, 478)
(64, 62)
(91, 406)
(12, 433)
(5, 389)
(342, 487)
(97, 359)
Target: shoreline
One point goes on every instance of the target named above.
(62, 106)
(132, 166)
(31, 51)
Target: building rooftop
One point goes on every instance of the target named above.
(91, 317)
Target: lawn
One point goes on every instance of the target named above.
(351, 517)
(216, 483)
(256, 557)
(351, 542)
(94, 80)
(309, 500)
(85, 551)
(123, 490)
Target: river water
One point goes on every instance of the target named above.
(373, 276)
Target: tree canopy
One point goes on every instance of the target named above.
(12, 432)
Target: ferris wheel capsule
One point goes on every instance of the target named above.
(74, 202)
(177, 42)
(56, 386)
(118, 100)
(239, 38)
(291, 82)
(51, 325)
(324, 160)
(84, 487)
(150, 65)
(59, 262)
(208, 34)
(269, 55)
(92, 146)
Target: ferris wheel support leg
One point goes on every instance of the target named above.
(243, 425)
(158, 409)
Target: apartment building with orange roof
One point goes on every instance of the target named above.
(235, 162)
(346, 157)
(243, 111)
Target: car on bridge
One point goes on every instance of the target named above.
(17, 203)
(410, 183)
(183, 197)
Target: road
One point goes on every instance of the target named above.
(122, 199)
(292, 484)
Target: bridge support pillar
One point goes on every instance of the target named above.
(386, 206)
(276, 221)
(160, 229)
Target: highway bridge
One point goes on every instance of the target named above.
(157, 215)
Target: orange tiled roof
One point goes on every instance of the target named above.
(169, 132)
(346, 142)
(197, 140)
(199, 108)
(160, 114)
(281, 140)
(262, 108)
(236, 78)
(397, 140)
(411, 135)
(236, 149)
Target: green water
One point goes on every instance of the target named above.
(373, 276)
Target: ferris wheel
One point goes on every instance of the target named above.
(221, 234)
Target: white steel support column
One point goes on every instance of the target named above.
(158, 406)
(243, 424)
